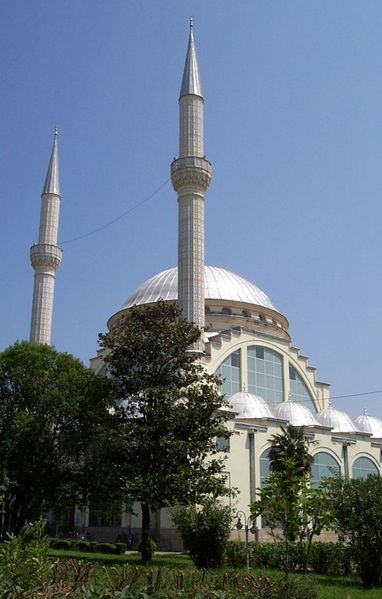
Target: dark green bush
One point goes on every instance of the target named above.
(83, 546)
(106, 548)
(61, 543)
(325, 558)
(204, 532)
(330, 558)
(122, 547)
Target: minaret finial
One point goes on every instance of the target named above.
(55, 131)
(191, 23)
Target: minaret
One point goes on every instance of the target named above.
(191, 175)
(46, 255)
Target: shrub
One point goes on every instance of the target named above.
(83, 546)
(325, 558)
(330, 558)
(235, 556)
(122, 547)
(205, 531)
(106, 548)
(61, 543)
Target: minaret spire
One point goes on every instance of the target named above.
(191, 80)
(46, 255)
(191, 176)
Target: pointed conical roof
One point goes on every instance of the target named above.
(52, 181)
(191, 83)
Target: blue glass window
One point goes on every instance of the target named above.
(299, 391)
(265, 468)
(265, 374)
(364, 467)
(324, 466)
(229, 370)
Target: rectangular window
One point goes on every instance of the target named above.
(222, 444)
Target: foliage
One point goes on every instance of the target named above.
(24, 566)
(53, 413)
(169, 412)
(291, 443)
(88, 546)
(287, 501)
(324, 558)
(357, 509)
(205, 531)
(27, 573)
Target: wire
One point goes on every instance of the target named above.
(111, 222)
(357, 394)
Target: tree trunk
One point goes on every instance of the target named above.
(146, 549)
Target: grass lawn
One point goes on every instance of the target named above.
(328, 587)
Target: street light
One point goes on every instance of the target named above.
(249, 526)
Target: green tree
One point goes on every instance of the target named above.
(53, 414)
(169, 411)
(286, 500)
(357, 510)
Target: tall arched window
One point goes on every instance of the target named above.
(265, 373)
(299, 391)
(324, 466)
(265, 468)
(364, 467)
(229, 370)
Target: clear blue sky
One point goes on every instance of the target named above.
(293, 97)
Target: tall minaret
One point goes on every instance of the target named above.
(191, 175)
(46, 255)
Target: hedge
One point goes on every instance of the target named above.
(325, 558)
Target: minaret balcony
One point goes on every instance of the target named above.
(191, 170)
(45, 255)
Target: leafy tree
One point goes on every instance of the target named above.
(357, 510)
(286, 500)
(53, 413)
(169, 411)
(289, 504)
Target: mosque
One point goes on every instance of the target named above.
(245, 339)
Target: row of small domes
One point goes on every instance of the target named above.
(247, 405)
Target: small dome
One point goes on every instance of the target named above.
(369, 424)
(218, 284)
(248, 405)
(295, 413)
(338, 421)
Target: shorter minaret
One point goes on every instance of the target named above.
(191, 175)
(46, 255)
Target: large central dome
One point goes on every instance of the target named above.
(219, 284)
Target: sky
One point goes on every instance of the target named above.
(293, 128)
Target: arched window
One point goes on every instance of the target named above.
(299, 391)
(265, 373)
(265, 468)
(226, 311)
(364, 467)
(229, 370)
(246, 314)
(324, 466)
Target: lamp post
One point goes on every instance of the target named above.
(249, 526)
